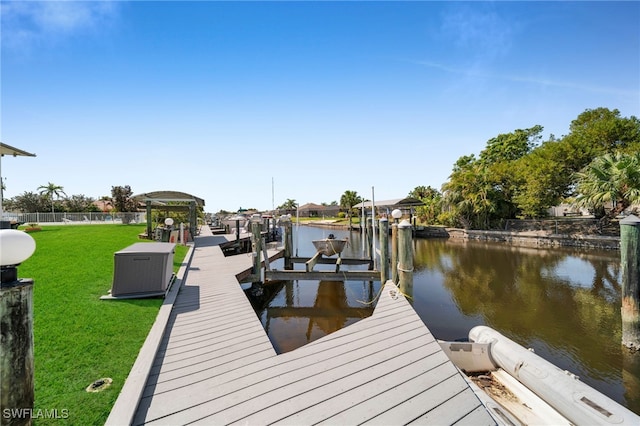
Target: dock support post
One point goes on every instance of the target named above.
(370, 239)
(16, 326)
(288, 242)
(396, 214)
(405, 259)
(16, 350)
(384, 250)
(630, 265)
(394, 253)
(149, 230)
(256, 249)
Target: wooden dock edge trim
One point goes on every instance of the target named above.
(126, 405)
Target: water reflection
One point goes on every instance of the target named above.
(563, 303)
(291, 321)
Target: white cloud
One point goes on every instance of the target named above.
(480, 30)
(25, 23)
(537, 81)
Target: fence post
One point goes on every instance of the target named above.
(384, 250)
(630, 264)
(405, 259)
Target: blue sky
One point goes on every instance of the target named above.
(220, 99)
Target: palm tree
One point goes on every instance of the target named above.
(613, 178)
(51, 190)
(289, 205)
(348, 200)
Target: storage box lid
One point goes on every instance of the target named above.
(149, 248)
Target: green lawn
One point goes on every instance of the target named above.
(79, 338)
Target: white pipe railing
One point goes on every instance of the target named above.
(76, 217)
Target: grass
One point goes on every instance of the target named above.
(79, 338)
(337, 220)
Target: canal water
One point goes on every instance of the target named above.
(563, 303)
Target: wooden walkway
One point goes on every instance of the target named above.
(214, 364)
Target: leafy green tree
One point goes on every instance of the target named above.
(546, 179)
(511, 146)
(52, 192)
(80, 203)
(516, 176)
(432, 200)
(469, 193)
(122, 201)
(549, 171)
(601, 130)
(611, 178)
(481, 191)
(28, 202)
(347, 201)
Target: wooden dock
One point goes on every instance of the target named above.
(211, 362)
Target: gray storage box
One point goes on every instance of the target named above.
(143, 269)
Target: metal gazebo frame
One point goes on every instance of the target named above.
(159, 200)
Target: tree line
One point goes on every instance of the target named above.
(51, 197)
(519, 176)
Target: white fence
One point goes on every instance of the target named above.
(76, 218)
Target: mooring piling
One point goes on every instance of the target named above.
(288, 242)
(630, 265)
(405, 258)
(384, 250)
(256, 249)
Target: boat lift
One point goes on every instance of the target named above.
(325, 250)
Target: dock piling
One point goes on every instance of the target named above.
(630, 265)
(405, 259)
(256, 249)
(288, 242)
(384, 250)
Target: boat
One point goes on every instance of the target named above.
(330, 245)
(519, 387)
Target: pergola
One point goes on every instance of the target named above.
(14, 152)
(160, 200)
(398, 203)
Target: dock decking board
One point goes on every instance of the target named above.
(216, 365)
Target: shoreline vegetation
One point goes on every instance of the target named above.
(558, 233)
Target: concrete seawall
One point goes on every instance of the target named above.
(538, 239)
(522, 238)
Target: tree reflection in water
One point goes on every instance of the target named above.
(564, 303)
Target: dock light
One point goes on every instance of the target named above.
(15, 247)
(396, 214)
(16, 323)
